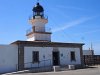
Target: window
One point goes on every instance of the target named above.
(72, 56)
(35, 56)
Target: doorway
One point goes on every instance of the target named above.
(55, 56)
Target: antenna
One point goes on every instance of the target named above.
(91, 46)
(89, 49)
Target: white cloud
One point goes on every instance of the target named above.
(88, 32)
(69, 7)
(73, 23)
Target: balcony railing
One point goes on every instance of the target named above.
(38, 29)
(33, 17)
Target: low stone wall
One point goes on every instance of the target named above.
(79, 66)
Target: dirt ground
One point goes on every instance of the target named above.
(94, 70)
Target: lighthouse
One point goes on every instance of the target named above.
(38, 32)
(38, 53)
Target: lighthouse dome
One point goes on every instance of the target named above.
(38, 8)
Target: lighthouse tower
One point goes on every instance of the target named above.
(38, 31)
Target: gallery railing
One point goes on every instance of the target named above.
(33, 17)
(38, 29)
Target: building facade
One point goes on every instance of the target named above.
(90, 58)
(8, 58)
(38, 50)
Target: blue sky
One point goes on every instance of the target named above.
(70, 20)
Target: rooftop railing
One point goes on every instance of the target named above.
(38, 29)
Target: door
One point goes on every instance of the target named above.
(55, 56)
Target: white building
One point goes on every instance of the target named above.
(88, 52)
(38, 50)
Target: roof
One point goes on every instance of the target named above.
(47, 44)
(38, 8)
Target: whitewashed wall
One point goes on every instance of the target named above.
(31, 39)
(43, 37)
(66, 59)
(40, 37)
(47, 51)
(39, 22)
(8, 58)
(88, 52)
